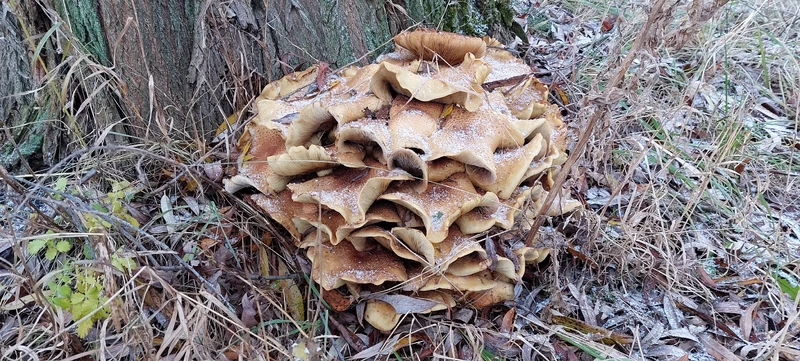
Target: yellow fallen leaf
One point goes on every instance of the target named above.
(446, 111)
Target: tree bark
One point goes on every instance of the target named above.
(174, 69)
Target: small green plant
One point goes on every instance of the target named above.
(80, 292)
(79, 289)
(53, 245)
(113, 205)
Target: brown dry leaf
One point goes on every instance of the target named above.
(717, 350)
(564, 353)
(708, 319)
(705, 278)
(608, 23)
(249, 312)
(605, 336)
(746, 321)
(207, 243)
(336, 300)
(508, 320)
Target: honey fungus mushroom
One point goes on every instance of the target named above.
(394, 177)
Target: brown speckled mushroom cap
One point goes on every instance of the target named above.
(482, 219)
(259, 142)
(459, 85)
(473, 137)
(440, 204)
(335, 265)
(431, 44)
(381, 315)
(289, 84)
(349, 191)
(502, 291)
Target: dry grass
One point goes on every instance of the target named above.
(687, 249)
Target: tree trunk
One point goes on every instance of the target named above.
(174, 69)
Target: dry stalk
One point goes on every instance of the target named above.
(598, 113)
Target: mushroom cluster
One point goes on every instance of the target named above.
(389, 175)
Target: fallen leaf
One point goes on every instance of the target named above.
(608, 23)
(405, 304)
(249, 313)
(337, 302)
(717, 350)
(508, 320)
(213, 171)
(708, 319)
(605, 336)
(746, 321)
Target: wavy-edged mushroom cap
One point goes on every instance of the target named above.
(279, 207)
(379, 212)
(449, 85)
(504, 64)
(332, 266)
(482, 219)
(362, 240)
(259, 143)
(480, 281)
(416, 242)
(301, 160)
(440, 204)
(502, 291)
(442, 168)
(412, 122)
(473, 137)
(349, 191)
(527, 99)
(469, 265)
(430, 44)
(289, 84)
(511, 165)
(364, 137)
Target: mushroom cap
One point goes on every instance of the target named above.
(482, 219)
(301, 160)
(449, 85)
(505, 65)
(332, 266)
(362, 240)
(511, 164)
(473, 137)
(430, 44)
(480, 281)
(381, 315)
(289, 84)
(412, 122)
(528, 99)
(366, 135)
(502, 291)
(378, 212)
(442, 168)
(469, 265)
(439, 205)
(349, 191)
(416, 242)
(258, 144)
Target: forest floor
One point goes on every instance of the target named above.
(688, 247)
